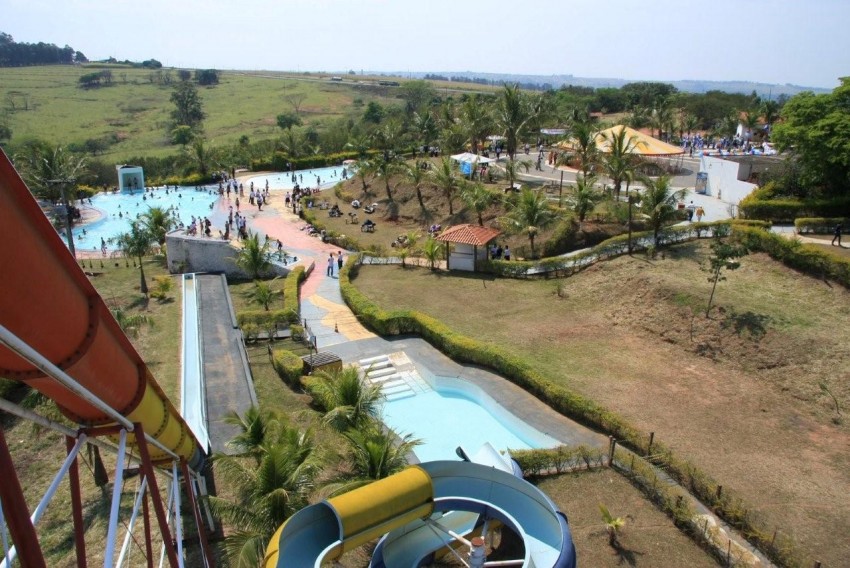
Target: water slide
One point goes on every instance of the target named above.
(49, 304)
(416, 510)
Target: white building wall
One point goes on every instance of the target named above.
(723, 182)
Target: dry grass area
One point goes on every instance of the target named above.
(737, 393)
(648, 538)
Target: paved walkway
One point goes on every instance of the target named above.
(228, 382)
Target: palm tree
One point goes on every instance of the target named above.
(750, 122)
(658, 203)
(689, 122)
(349, 402)
(131, 323)
(376, 454)
(387, 165)
(619, 160)
(639, 117)
(267, 493)
(515, 112)
(359, 144)
(425, 127)
(136, 243)
(201, 155)
(432, 250)
(585, 148)
(530, 214)
(512, 168)
(256, 429)
(254, 257)
(475, 120)
(365, 169)
(445, 176)
(584, 196)
(262, 294)
(478, 198)
(770, 111)
(158, 222)
(416, 175)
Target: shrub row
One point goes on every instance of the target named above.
(279, 160)
(805, 258)
(253, 322)
(819, 225)
(563, 400)
(559, 266)
(562, 459)
(288, 365)
(290, 292)
(333, 237)
(787, 210)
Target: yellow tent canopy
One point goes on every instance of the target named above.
(646, 145)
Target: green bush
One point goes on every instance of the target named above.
(819, 225)
(535, 463)
(786, 210)
(265, 320)
(279, 160)
(806, 258)
(288, 365)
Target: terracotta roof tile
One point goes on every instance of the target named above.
(469, 235)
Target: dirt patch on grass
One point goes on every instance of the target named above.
(738, 393)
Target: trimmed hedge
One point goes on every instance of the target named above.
(291, 286)
(808, 259)
(561, 399)
(787, 210)
(288, 365)
(819, 225)
(265, 320)
(535, 463)
(559, 266)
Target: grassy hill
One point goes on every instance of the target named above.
(133, 113)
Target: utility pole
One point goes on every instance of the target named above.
(69, 234)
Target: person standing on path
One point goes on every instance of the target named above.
(331, 264)
(339, 262)
(836, 234)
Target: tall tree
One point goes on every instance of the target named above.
(512, 169)
(620, 159)
(416, 175)
(515, 112)
(254, 257)
(476, 121)
(136, 243)
(584, 146)
(188, 108)
(530, 214)
(158, 222)
(658, 203)
(447, 179)
(584, 196)
(287, 120)
(478, 198)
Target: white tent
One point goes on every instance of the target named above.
(470, 158)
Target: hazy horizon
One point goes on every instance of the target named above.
(781, 42)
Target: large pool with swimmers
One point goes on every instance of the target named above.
(316, 177)
(118, 209)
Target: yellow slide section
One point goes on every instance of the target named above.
(340, 524)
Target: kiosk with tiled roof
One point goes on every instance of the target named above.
(470, 245)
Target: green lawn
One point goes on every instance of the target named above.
(46, 102)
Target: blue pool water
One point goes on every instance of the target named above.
(186, 201)
(460, 414)
(283, 180)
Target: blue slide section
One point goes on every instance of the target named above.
(464, 494)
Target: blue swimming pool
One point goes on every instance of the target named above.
(118, 209)
(455, 412)
(321, 177)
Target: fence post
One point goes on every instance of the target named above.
(612, 443)
(651, 439)
(729, 552)
(719, 492)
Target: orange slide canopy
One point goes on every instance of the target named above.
(48, 302)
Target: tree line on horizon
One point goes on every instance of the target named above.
(21, 54)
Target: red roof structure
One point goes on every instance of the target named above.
(469, 235)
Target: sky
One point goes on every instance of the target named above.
(781, 41)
